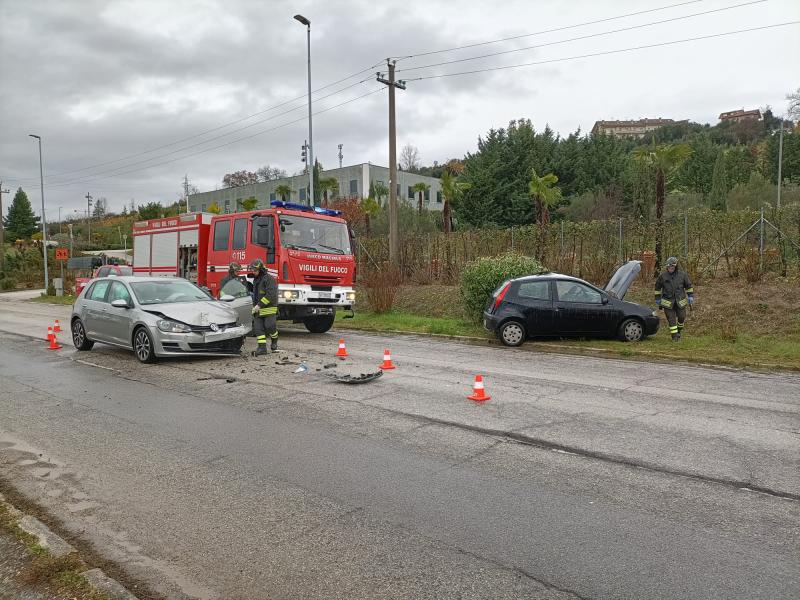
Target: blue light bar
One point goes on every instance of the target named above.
(302, 207)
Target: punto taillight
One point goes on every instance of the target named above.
(500, 295)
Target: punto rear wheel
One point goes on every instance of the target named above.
(631, 330)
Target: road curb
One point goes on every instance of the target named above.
(48, 540)
(57, 547)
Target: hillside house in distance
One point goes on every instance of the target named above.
(740, 115)
(637, 128)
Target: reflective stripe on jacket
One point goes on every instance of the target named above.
(265, 294)
(673, 288)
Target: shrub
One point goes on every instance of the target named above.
(8, 283)
(482, 276)
(381, 287)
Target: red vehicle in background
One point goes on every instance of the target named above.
(307, 249)
(102, 271)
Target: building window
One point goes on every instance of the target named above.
(272, 197)
(302, 194)
(379, 182)
(228, 205)
(203, 209)
(410, 193)
(439, 197)
(354, 187)
(398, 190)
(221, 231)
(428, 195)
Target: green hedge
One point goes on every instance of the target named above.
(482, 276)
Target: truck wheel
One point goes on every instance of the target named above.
(319, 324)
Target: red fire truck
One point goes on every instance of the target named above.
(307, 249)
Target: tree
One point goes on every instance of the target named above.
(545, 196)
(420, 188)
(283, 191)
(452, 192)
(100, 208)
(379, 191)
(214, 208)
(793, 110)
(719, 184)
(317, 174)
(249, 203)
(151, 210)
(409, 158)
(370, 208)
(665, 160)
(20, 222)
(239, 178)
(328, 184)
(268, 173)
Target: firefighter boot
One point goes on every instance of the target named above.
(676, 337)
(274, 344)
(262, 350)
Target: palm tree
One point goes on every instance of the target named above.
(420, 188)
(249, 203)
(214, 208)
(451, 191)
(370, 208)
(545, 196)
(380, 190)
(665, 160)
(328, 184)
(283, 190)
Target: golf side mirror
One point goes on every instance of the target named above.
(120, 303)
(605, 299)
(227, 298)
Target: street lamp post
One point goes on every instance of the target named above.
(780, 164)
(307, 23)
(44, 219)
(59, 218)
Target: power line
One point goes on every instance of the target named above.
(301, 119)
(188, 147)
(213, 129)
(604, 53)
(565, 27)
(584, 37)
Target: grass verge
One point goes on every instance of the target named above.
(62, 300)
(737, 350)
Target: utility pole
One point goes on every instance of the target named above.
(186, 191)
(780, 164)
(2, 232)
(394, 238)
(89, 215)
(340, 155)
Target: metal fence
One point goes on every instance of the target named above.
(708, 244)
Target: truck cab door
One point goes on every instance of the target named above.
(263, 236)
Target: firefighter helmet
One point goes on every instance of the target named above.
(672, 261)
(234, 267)
(257, 265)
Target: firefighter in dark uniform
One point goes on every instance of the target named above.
(233, 268)
(265, 307)
(674, 293)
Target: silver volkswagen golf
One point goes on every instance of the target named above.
(159, 316)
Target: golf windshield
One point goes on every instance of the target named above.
(168, 292)
(314, 235)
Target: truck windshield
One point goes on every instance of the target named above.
(315, 235)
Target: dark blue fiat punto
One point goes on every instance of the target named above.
(555, 305)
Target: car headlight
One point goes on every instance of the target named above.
(290, 294)
(351, 296)
(168, 326)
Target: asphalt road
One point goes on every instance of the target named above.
(581, 478)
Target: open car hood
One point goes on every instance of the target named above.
(195, 313)
(622, 278)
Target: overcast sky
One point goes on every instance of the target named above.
(126, 93)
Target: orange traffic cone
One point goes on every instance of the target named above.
(387, 361)
(342, 351)
(53, 342)
(478, 392)
(57, 327)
